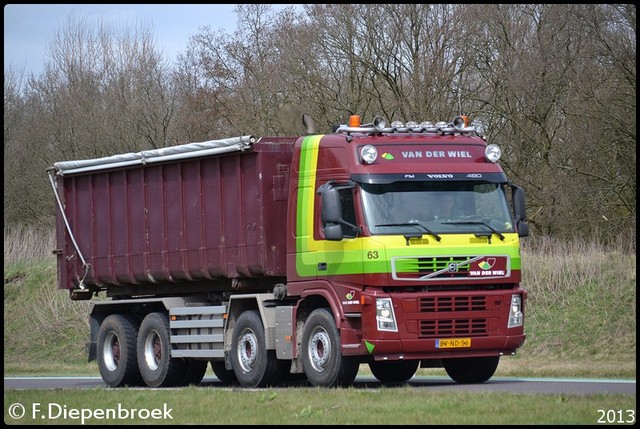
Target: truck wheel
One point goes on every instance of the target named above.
(322, 361)
(226, 376)
(471, 370)
(253, 364)
(396, 371)
(195, 372)
(117, 360)
(157, 367)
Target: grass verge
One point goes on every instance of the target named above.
(309, 406)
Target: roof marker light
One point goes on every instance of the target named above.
(492, 152)
(354, 120)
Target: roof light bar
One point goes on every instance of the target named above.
(460, 124)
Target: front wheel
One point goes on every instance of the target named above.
(397, 371)
(471, 370)
(253, 364)
(322, 360)
(226, 376)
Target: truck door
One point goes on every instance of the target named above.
(340, 249)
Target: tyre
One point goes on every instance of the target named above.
(323, 363)
(471, 370)
(195, 371)
(226, 376)
(296, 378)
(116, 351)
(397, 371)
(253, 364)
(157, 367)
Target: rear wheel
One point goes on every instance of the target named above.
(116, 356)
(226, 376)
(195, 371)
(157, 367)
(471, 370)
(322, 360)
(397, 371)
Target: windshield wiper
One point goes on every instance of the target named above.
(415, 224)
(475, 222)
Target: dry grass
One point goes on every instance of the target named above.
(25, 244)
(582, 301)
(42, 326)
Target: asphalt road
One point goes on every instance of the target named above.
(496, 384)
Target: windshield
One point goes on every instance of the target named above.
(425, 207)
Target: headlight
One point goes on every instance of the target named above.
(385, 316)
(515, 312)
(369, 154)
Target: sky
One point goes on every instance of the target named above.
(29, 29)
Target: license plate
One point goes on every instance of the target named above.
(453, 343)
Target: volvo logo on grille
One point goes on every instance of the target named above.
(453, 267)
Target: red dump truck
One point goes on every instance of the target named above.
(274, 259)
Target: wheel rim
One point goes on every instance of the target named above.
(247, 350)
(111, 352)
(153, 350)
(319, 350)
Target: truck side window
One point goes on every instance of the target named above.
(348, 212)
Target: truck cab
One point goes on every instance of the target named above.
(409, 234)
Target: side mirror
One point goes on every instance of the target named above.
(523, 229)
(332, 220)
(331, 205)
(520, 211)
(333, 232)
(331, 212)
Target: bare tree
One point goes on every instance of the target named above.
(101, 93)
(540, 79)
(553, 84)
(108, 91)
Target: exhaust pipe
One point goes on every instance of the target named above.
(309, 126)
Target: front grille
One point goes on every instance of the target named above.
(416, 268)
(452, 303)
(453, 328)
(447, 268)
